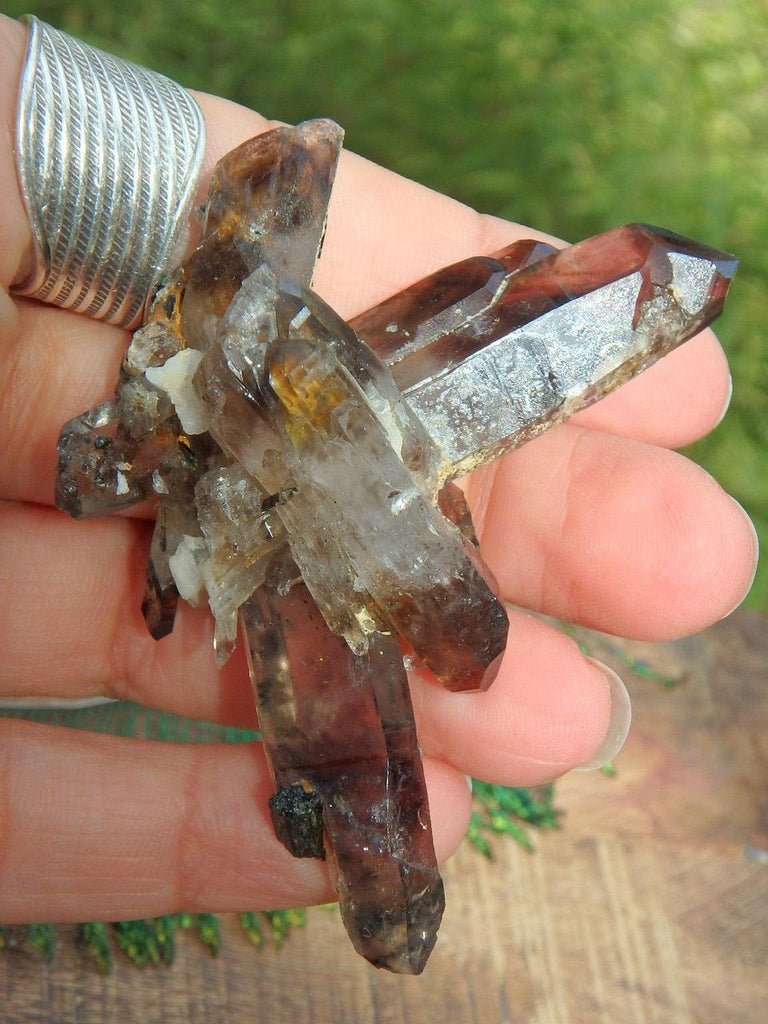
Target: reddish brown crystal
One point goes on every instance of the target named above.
(267, 204)
(339, 732)
(409, 330)
(555, 336)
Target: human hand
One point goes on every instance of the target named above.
(596, 522)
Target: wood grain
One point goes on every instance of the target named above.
(649, 905)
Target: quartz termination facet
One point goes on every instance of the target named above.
(303, 472)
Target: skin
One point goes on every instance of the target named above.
(598, 522)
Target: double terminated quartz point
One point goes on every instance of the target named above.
(304, 466)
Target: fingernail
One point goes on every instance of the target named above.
(468, 780)
(756, 541)
(618, 727)
(727, 404)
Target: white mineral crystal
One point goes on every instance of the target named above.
(175, 378)
(186, 565)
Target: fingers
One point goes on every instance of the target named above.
(145, 828)
(549, 711)
(581, 525)
(53, 365)
(383, 232)
(614, 534)
(83, 583)
(674, 403)
(622, 536)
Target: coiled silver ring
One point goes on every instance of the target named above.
(109, 155)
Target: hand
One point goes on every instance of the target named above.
(597, 522)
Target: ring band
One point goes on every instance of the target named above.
(109, 155)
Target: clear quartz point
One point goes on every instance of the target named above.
(302, 470)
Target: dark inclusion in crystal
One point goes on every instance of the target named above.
(302, 469)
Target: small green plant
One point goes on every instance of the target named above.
(151, 942)
(278, 923)
(510, 811)
(42, 938)
(95, 938)
(148, 942)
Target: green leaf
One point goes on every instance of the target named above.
(43, 939)
(207, 927)
(251, 925)
(95, 937)
(505, 810)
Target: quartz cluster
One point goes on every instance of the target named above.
(303, 469)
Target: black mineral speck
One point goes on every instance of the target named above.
(297, 816)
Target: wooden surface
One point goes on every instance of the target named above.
(649, 905)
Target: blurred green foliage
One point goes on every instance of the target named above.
(570, 117)
(509, 811)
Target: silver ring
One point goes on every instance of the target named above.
(108, 157)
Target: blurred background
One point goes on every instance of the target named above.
(573, 118)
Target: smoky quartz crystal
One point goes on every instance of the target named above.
(302, 468)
